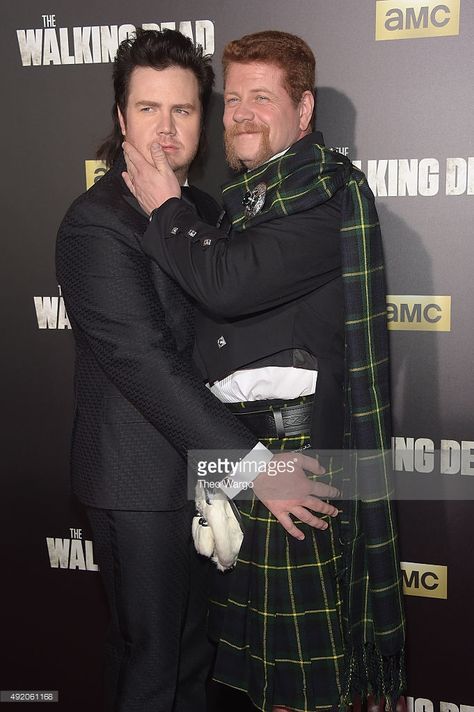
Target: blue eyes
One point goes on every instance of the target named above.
(259, 98)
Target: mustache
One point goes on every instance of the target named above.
(247, 127)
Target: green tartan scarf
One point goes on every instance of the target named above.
(307, 175)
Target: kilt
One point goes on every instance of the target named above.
(277, 614)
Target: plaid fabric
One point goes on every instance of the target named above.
(278, 613)
(307, 175)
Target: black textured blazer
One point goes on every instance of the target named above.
(140, 404)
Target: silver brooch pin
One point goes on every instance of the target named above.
(254, 200)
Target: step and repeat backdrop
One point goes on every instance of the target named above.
(395, 93)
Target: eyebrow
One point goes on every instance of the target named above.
(252, 91)
(157, 104)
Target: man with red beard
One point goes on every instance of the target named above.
(292, 337)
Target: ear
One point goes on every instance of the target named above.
(306, 108)
(121, 122)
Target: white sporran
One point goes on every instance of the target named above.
(216, 528)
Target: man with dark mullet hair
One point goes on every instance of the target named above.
(133, 334)
(158, 50)
(293, 337)
(140, 405)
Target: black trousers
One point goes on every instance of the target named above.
(158, 656)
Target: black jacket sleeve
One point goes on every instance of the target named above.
(257, 269)
(116, 312)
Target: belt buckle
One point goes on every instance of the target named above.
(297, 418)
(278, 420)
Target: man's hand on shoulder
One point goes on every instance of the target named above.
(285, 489)
(150, 185)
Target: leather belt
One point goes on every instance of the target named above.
(278, 422)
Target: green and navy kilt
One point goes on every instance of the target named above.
(277, 614)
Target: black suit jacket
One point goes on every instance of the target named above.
(139, 403)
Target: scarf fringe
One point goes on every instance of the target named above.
(370, 673)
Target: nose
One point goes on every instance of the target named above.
(165, 124)
(243, 112)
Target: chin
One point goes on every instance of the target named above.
(246, 159)
(249, 163)
(256, 161)
(174, 165)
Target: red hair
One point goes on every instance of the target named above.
(286, 51)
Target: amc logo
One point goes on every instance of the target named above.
(427, 580)
(404, 19)
(406, 312)
(94, 171)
